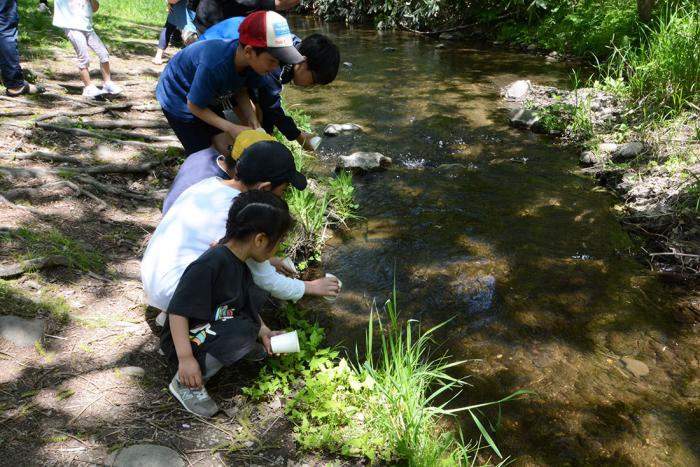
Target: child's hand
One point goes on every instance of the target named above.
(264, 335)
(282, 268)
(305, 140)
(323, 287)
(190, 373)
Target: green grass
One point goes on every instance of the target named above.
(15, 301)
(389, 408)
(663, 72)
(36, 243)
(119, 23)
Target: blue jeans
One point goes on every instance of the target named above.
(9, 54)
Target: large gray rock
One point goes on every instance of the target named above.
(607, 148)
(363, 162)
(335, 129)
(588, 158)
(145, 455)
(21, 332)
(637, 368)
(525, 119)
(628, 151)
(518, 89)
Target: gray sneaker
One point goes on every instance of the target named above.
(195, 401)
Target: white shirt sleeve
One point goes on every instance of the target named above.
(280, 286)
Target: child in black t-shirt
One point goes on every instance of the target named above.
(213, 315)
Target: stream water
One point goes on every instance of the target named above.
(491, 226)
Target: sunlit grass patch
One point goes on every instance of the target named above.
(15, 301)
(37, 243)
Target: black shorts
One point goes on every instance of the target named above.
(195, 135)
(228, 341)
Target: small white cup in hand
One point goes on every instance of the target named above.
(315, 142)
(340, 286)
(285, 343)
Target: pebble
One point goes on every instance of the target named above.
(389, 49)
(637, 368)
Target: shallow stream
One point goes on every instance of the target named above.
(492, 227)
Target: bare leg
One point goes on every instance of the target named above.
(106, 75)
(85, 76)
(158, 59)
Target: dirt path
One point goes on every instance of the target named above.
(97, 383)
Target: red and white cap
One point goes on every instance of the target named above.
(270, 30)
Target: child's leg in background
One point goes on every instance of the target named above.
(100, 50)
(80, 44)
(166, 35)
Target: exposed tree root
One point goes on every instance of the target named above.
(94, 134)
(17, 269)
(41, 156)
(110, 124)
(84, 112)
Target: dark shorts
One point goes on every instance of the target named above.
(228, 341)
(195, 135)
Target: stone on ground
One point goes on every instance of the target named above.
(637, 368)
(21, 332)
(518, 89)
(363, 162)
(145, 455)
(476, 292)
(525, 119)
(628, 151)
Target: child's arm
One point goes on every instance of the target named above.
(265, 334)
(95, 5)
(188, 367)
(246, 106)
(208, 116)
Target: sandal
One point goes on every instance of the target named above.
(27, 89)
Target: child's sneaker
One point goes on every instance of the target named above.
(110, 88)
(196, 401)
(161, 318)
(92, 91)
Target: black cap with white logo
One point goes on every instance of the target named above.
(269, 161)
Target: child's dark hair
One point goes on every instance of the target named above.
(254, 212)
(322, 57)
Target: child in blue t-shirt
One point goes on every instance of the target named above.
(213, 315)
(320, 66)
(199, 75)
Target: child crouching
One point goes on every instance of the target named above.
(213, 315)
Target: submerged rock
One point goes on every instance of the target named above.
(637, 368)
(335, 129)
(362, 161)
(347, 65)
(440, 46)
(21, 332)
(389, 49)
(450, 36)
(476, 292)
(145, 455)
(518, 89)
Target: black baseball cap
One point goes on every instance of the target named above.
(269, 161)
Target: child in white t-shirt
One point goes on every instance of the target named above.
(75, 18)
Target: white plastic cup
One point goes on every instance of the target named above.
(285, 343)
(315, 142)
(289, 264)
(340, 286)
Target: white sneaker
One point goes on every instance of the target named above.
(110, 88)
(92, 91)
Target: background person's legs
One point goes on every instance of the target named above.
(12, 76)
